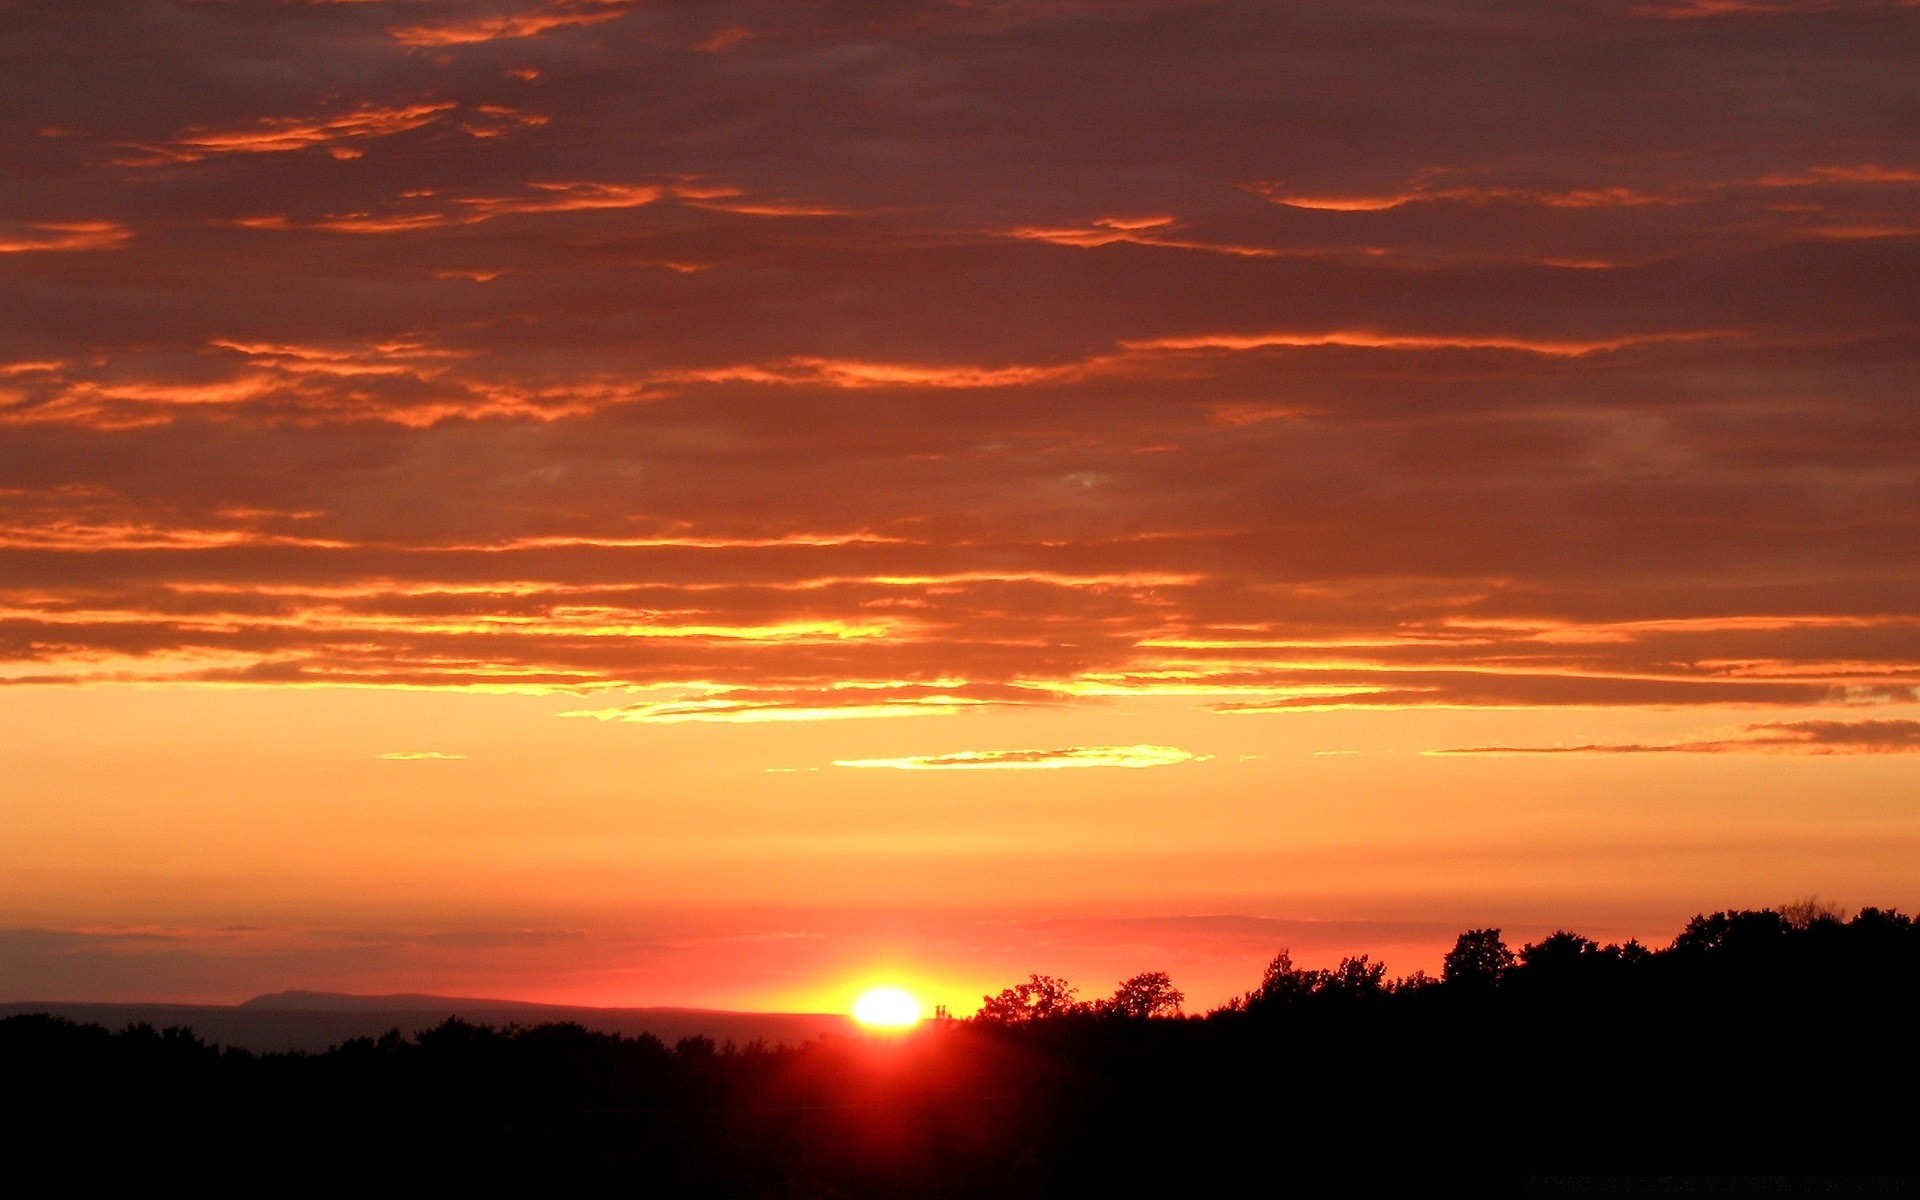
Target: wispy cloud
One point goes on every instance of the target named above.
(1371, 340)
(432, 208)
(840, 700)
(420, 756)
(279, 135)
(1433, 189)
(528, 22)
(62, 235)
(848, 407)
(1138, 231)
(1892, 736)
(499, 939)
(1034, 760)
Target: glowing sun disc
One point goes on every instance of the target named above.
(886, 1008)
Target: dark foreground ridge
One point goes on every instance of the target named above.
(1760, 1052)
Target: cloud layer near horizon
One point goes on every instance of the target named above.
(803, 361)
(1772, 737)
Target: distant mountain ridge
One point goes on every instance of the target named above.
(313, 1021)
(309, 1001)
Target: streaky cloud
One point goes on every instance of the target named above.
(1819, 737)
(46, 236)
(1034, 760)
(530, 22)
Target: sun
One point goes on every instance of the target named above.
(886, 1008)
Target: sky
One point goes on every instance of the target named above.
(636, 502)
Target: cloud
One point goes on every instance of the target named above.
(1890, 736)
(838, 700)
(1433, 189)
(525, 23)
(1139, 231)
(1034, 760)
(419, 755)
(85, 941)
(62, 235)
(499, 939)
(1693, 9)
(522, 345)
(433, 209)
(396, 357)
(737, 712)
(1396, 341)
(278, 135)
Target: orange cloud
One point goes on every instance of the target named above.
(496, 120)
(1366, 339)
(738, 713)
(1856, 232)
(734, 200)
(63, 235)
(129, 403)
(552, 541)
(1680, 10)
(559, 14)
(274, 135)
(1427, 193)
(72, 535)
(1783, 737)
(846, 373)
(399, 380)
(431, 210)
(1844, 173)
(1437, 187)
(360, 222)
(835, 701)
(721, 710)
(396, 357)
(1139, 231)
(1034, 760)
(903, 441)
(579, 196)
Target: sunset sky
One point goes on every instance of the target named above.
(641, 502)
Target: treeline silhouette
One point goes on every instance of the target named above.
(1760, 1045)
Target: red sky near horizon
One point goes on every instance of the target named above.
(636, 502)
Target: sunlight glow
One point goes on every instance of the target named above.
(886, 1008)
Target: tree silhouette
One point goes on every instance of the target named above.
(1477, 962)
(1356, 978)
(1559, 951)
(1566, 964)
(1809, 910)
(1742, 934)
(1148, 994)
(1416, 981)
(1040, 997)
(1284, 984)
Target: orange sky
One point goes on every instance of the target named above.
(655, 503)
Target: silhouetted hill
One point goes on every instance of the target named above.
(315, 1021)
(305, 1001)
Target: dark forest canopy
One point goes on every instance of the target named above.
(1778, 1042)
